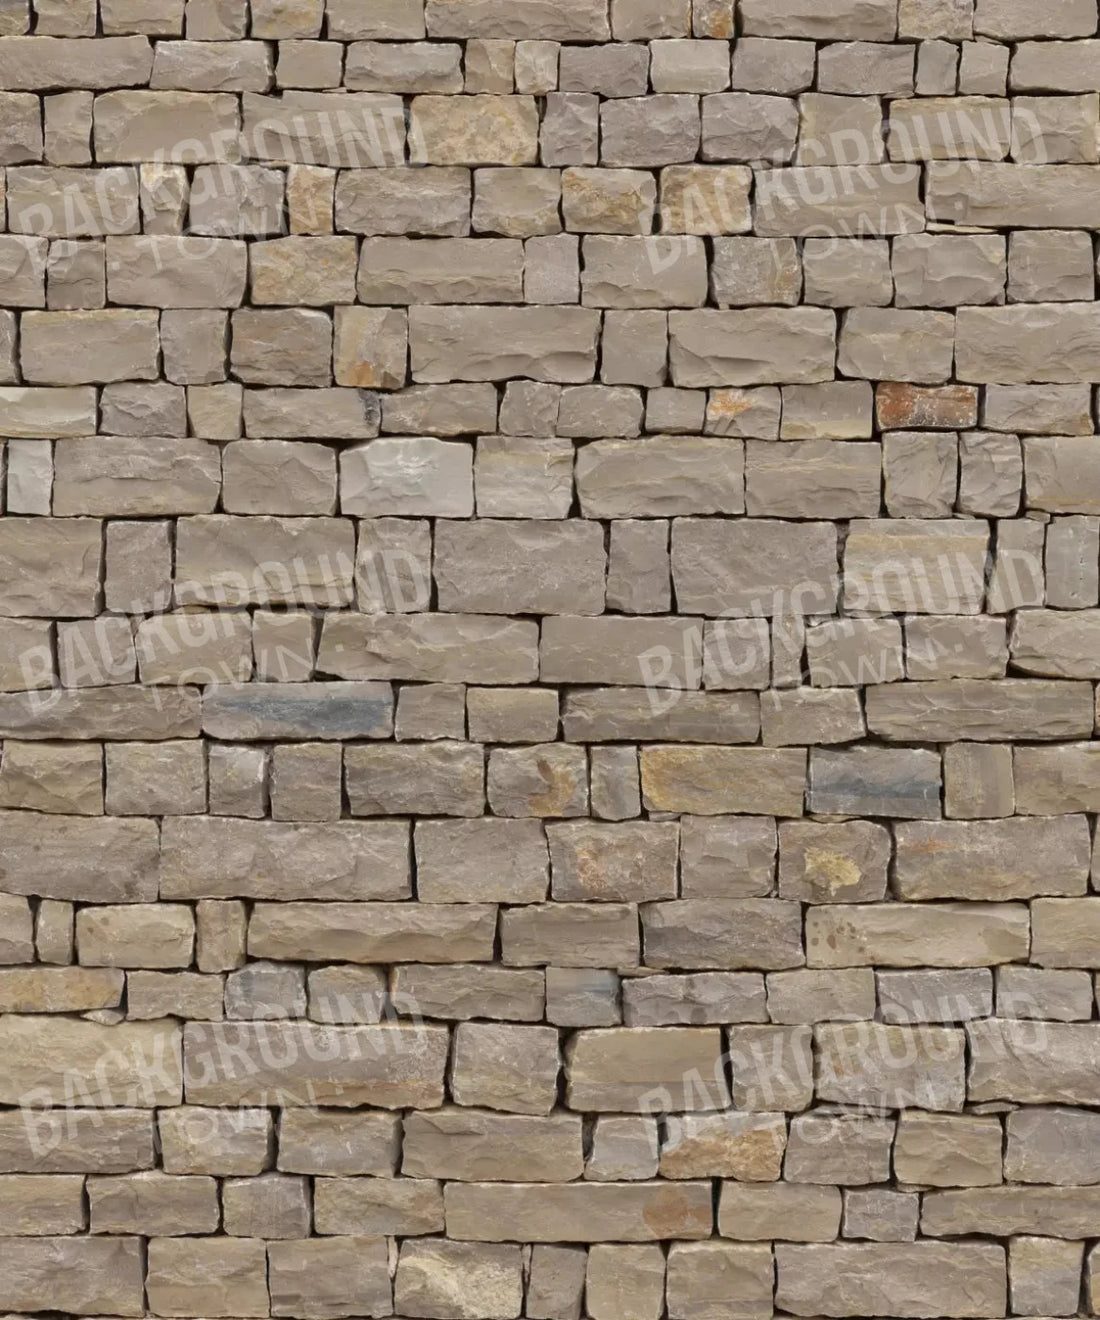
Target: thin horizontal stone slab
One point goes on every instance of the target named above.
(283, 712)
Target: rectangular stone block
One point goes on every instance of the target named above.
(373, 933)
(980, 711)
(300, 1063)
(721, 933)
(754, 567)
(891, 1067)
(132, 1065)
(578, 1212)
(80, 1275)
(929, 935)
(556, 344)
(709, 781)
(529, 20)
(992, 860)
(841, 1279)
(222, 857)
(792, 345)
(448, 648)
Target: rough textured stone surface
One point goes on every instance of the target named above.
(549, 614)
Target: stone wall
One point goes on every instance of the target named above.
(549, 617)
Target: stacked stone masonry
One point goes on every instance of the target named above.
(549, 635)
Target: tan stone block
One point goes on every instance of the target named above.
(153, 1203)
(482, 130)
(747, 1147)
(928, 935)
(134, 1064)
(577, 1212)
(713, 780)
(458, 1279)
(842, 1278)
(230, 1063)
(76, 1140)
(339, 1142)
(474, 1146)
(782, 1211)
(81, 1275)
(621, 1068)
(981, 711)
(373, 933)
(317, 1278)
(135, 935)
(514, 1068)
(215, 1275)
(212, 857)
(56, 989)
(1013, 858)
(59, 778)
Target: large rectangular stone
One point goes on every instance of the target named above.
(992, 859)
(294, 1063)
(73, 203)
(1049, 1063)
(76, 1140)
(652, 653)
(520, 567)
(165, 270)
(33, 63)
(920, 1278)
(578, 1212)
(94, 347)
(130, 476)
(471, 1145)
(430, 648)
(556, 344)
(1045, 342)
(48, 414)
(726, 934)
(1065, 932)
(84, 859)
(119, 713)
(916, 565)
(547, 20)
(132, 1065)
(1057, 643)
(404, 271)
(1021, 196)
(980, 710)
(841, 20)
(626, 714)
(755, 566)
(220, 857)
(474, 130)
(624, 1068)
(373, 932)
(286, 712)
(346, 130)
(222, 560)
(78, 1275)
(890, 1067)
(752, 346)
(1061, 472)
(182, 127)
(709, 781)
(50, 567)
(916, 935)
(1058, 1212)
(852, 200)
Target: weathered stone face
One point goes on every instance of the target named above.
(549, 614)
